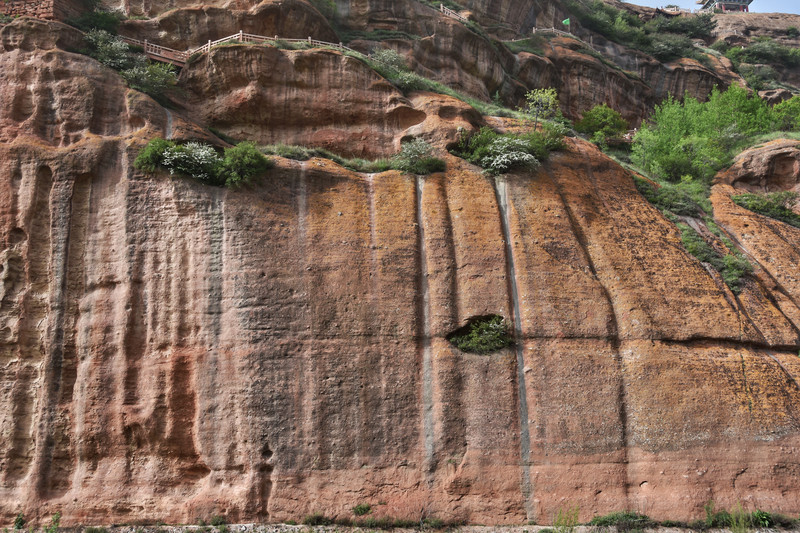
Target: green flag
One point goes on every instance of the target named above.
(565, 21)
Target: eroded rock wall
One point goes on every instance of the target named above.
(170, 350)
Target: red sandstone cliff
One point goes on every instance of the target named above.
(172, 351)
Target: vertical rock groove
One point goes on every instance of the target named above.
(613, 327)
(501, 193)
(32, 346)
(168, 126)
(425, 338)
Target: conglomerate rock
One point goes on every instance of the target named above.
(170, 350)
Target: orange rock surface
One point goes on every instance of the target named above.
(170, 350)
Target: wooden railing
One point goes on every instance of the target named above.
(553, 30)
(450, 13)
(179, 58)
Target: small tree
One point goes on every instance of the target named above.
(601, 122)
(541, 104)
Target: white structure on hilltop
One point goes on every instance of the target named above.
(726, 6)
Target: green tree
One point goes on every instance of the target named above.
(601, 123)
(698, 138)
(788, 114)
(541, 104)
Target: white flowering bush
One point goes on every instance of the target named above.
(193, 159)
(416, 157)
(498, 153)
(506, 152)
(238, 165)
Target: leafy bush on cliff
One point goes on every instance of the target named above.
(764, 50)
(664, 38)
(698, 138)
(238, 165)
(498, 153)
(139, 74)
(482, 335)
(601, 123)
(416, 157)
(775, 205)
(98, 19)
(733, 267)
(672, 198)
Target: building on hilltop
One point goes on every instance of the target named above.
(726, 6)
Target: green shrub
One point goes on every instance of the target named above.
(766, 51)
(19, 521)
(482, 335)
(761, 519)
(416, 157)
(109, 50)
(695, 27)
(566, 520)
(622, 520)
(218, 520)
(792, 32)
(55, 520)
(540, 104)
(665, 38)
(788, 114)
(716, 519)
(238, 165)
(601, 123)
(317, 519)
(758, 77)
(698, 138)
(774, 205)
(733, 267)
(390, 59)
(348, 35)
(361, 509)
(740, 520)
(498, 153)
(432, 523)
(153, 79)
(98, 19)
(669, 198)
(675, 523)
(669, 46)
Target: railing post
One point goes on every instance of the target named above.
(241, 36)
(309, 39)
(145, 46)
(208, 47)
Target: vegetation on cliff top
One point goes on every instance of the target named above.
(663, 38)
(154, 79)
(684, 144)
(498, 153)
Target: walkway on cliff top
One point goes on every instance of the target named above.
(179, 57)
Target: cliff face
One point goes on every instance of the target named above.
(170, 350)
